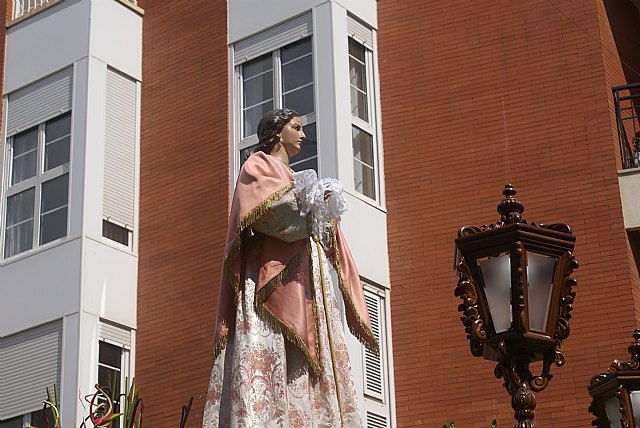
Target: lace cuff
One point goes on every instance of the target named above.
(311, 199)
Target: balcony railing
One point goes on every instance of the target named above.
(24, 8)
(627, 104)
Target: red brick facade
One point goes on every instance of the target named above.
(184, 188)
(474, 95)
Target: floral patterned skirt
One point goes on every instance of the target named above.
(262, 380)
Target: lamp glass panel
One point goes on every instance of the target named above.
(612, 407)
(496, 275)
(635, 406)
(540, 269)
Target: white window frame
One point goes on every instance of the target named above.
(271, 40)
(125, 359)
(370, 127)
(36, 182)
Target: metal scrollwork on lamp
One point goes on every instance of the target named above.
(517, 294)
(616, 393)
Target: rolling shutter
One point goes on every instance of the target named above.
(376, 379)
(114, 334)
(273, 38)
(373, 364)
(39, 101)
(359, 31)
(120, 144)
(29, 362)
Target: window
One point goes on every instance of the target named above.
(120, 163)
(113, 370)
(114, 344)
(363, 117)
(278, 78)
(377, 388)
(30, 361)
(38, 185)
(36, 419)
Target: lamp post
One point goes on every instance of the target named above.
(616, 393)
(516, 291)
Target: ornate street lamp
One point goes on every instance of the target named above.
(616, 393)
(516, 296)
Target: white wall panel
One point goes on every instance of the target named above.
(46, 43)
(116, 36)
(110, 281)
(39, 287)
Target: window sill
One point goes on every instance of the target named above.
(371, 202)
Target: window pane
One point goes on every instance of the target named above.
(115, 232)
(252, 117)
(308, 156)
(307, 164)
(37, 418)
(12, 423)
(356, 50)
(359, 104)
(53, 225)
(363, 164)
(245, 153)
(19, 231)
(295, 50)
(257, 66)
(357, 74)
(54, 193)
(58, 127)
(56, 153)
(300, 100)
(297, 73)
(57, 140)
(358, 80)
(362, 146)
(24, 155)
(53, 210)
(110, 355)
(258, 89)
(20, 207)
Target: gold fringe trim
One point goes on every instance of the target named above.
(236, 247)
(314, 306)
(336, 379)
(221, 344)
(233, 252)
(263, 294)
(346, 295)
(275, 322)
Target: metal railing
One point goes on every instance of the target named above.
(22, 8)
(627, 105)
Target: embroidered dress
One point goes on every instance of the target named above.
(280, 357)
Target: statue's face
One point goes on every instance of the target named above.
(292, 136)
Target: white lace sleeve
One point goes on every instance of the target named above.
(311, 199)
(283, 220)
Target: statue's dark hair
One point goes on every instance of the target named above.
(270, 126)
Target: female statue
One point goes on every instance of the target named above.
(280, 357)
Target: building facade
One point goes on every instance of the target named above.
(125, 125)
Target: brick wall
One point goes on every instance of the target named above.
(184, 187)
(475, 94)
